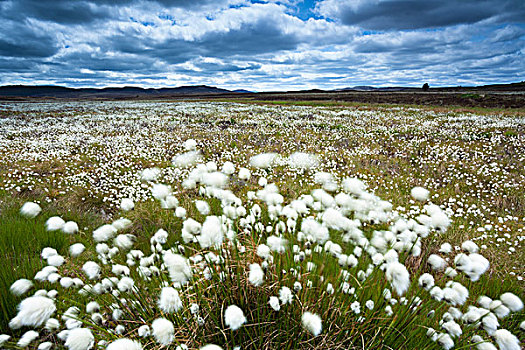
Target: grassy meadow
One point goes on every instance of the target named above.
(326, 213)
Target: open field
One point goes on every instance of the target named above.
(78, 160)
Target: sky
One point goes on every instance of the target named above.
(261, 45)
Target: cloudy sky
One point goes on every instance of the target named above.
(261, 45)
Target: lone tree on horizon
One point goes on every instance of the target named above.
(425, 87)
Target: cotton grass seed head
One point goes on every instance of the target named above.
(30, 210)
(312, 323)
(234, 317)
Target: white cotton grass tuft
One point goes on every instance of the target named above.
(55, 260)
(70, 228)
(169, 301)
(55, 223)
(419, 193)
(211, 347)
(33, 312)
(186, 160)
(104, 233)
(76, 249)
(27, 338)
(91, 269)
(203, 207)
(124, 344)
(163, 331)
(398, 276)
(160, 191)
(45, 345)
(80, 339)
(21, 286)
(244, 174)
(234, 317)
(274, 303)
(228, 168)
(436, 262)
(212, 233)
(127, 204)
(285, 295)
(190, 145)
(150, 174)
(506, 340)
(144, 331)
(302, 160)
(30, 210)
(256, 275)
(178, 268)
(511, 301)
(312, 323)
(263, 160)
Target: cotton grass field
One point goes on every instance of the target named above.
(209, 225)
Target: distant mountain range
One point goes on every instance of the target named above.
(21, 92)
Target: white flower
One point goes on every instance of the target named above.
(203, 207)
(21, 286)
(27, 338)
(228, 168)
(150, 174)
(419, 193)
(104, 232)
(30, 210)
(277, 244)
(126, 204)
(445, 248)
(312, 323)
(263, 251)
(33, 312)
(55, 223)
(511, 301)
(124, 344)
(186, 160)
(160, 191)
(80, 339)
(437, 262)
(178, 268)
(445, 341)
(76, 249)
(285, 295)
(274, 303)
(124, 242)
(91, 269)
(211, 347)
(45, 345)
(169, 300)
(55, 260)
(506, 340)
(234, 317)
(144, 331)
(163, 331)
(70, 227)
(212, 233)
(263, 160)
(125, 284)
(426, 281)
(398, 277)
(180, 212)
(256, 276)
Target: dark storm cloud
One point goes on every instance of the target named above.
(24, 40)
(416, 14)
(58, 11)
